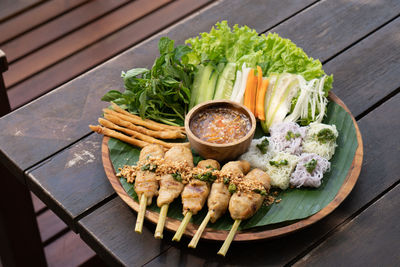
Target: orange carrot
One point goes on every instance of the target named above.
(260, 106)
(259, 82)
(250, 91)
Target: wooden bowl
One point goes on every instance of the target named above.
(220, 152)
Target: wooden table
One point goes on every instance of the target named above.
(48, 147)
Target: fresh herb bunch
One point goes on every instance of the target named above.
(161, 93)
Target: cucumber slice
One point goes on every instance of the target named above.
(196, 86)
(204, 78)
(225, 82)
(207, 88)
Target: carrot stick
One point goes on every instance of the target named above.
(259, 82)
(250, 93)
(260, 105)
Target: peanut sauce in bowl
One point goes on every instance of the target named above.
(220, 125)
(220, 129)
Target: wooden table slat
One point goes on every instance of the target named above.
(58, 27)
(369, 240)
(71, 43)
(78, 185)
(49, 225)
(10, 8)
(59, 252)
(33, 17)
(112, 225)
(369, 71)
(100, 51)
(328, 27)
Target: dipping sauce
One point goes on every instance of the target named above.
(220, 125)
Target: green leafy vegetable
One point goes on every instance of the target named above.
(262, 192)
(161, 93)
(283, 162)
(263, 146)
(310, 166)
(326, 135)
(226, 180)
(177, 176)
(149, 167)
(232, 188)
(291, 135)
(207, 177)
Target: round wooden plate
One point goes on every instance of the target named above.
(250, 234)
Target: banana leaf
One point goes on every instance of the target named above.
(295, 204)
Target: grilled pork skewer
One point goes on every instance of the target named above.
(146, 183)
(170, 187)
(243, 205)
(194, 196)
(218, 200)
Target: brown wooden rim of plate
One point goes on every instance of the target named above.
(250, 234)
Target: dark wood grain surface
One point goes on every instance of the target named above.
(78, 186)
(36, 15)
(78, 61)
(60, 26)
(116, 222)
(377, 225)
(357, 41)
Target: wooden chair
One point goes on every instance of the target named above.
(4, 103)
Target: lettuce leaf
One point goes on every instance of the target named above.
(282, 55)
(243, 45)
(223, 44)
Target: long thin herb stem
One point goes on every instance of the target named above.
(229, 238)
(161, 222)
(196, 237)
(182, 227)
(142, 211)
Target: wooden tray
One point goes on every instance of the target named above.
(249, 234)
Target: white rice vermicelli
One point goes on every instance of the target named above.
(280, 175)
(312, 145)
(279, 133)
(254, 155)
(301, 177)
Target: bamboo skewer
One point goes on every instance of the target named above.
(229, 238)
(182, 227)
(140, 217)
(200, 230)
(161, 222)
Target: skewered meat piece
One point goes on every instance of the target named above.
(195, 193)
(169, 187)
(243, 205)
(146, 181)
(218, 199)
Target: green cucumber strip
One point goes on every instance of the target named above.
(204, 82)
(225, 82)
(196, 86)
